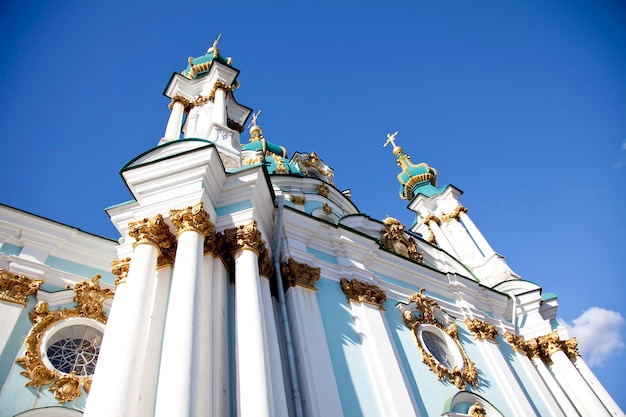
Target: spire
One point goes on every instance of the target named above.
(413, 179)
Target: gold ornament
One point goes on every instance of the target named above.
(300, 274)
(480, 329)
(394, 239)
(362, 292)
(16, 288)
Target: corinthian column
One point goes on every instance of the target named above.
(254, 396)
(178, 388)
(116, 382)
(575, 386)
(174, 124)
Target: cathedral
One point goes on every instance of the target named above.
(243, 283)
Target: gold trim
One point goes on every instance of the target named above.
(300, 274)
(16, 288)
(426, 315)
(249, 237)
(481, 329)
(363, 292)
(89, 300)
(156, 232)
(298, 199)
(120, 268)
(192, 218)
(323, 190)
(327, 209)
(187, 104)
(432, 218)
(393, 238)
(543, 346)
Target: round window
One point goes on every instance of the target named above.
(73, 345)
(441, 346)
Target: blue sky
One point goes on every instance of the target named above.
(521, 104)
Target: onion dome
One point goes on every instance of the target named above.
(414, 179)
(259, 150)
(200, 65)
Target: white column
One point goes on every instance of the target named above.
(555, 389)
(116, 381)
(174, 123)
(219, 341)
(150, 374)
(253, 376)
(441, 238)
(382, 359)
(320, 395)
(273, 358)
(9, 313)
(478, 237)
(178, 373)
(503, 376)
(205, 339)
(575, 386)
(597, 387)
(219, 106)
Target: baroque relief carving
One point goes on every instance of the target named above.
(543, 346)
(363, 292)
(249, 237)
(15, 288)
(476, 410)
(298, 199)
(323, 190)
(425, 307)
(156, 232)
(455, 215)
(301, 274)
(393, 238)
(480, 329)
(120, 267)
(89, 304)
(192, 218)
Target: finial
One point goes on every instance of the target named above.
(214, 47)
(254, 117)
(391, 137)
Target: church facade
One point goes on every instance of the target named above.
(244, 283)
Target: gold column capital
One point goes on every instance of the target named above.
(187, 104)
(481, 329)
(245, 237)
(156, 232)
(362, 292)
(16, 288)
(300, 274)
(192, 218)
(432, 218)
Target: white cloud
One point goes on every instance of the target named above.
(597, 331)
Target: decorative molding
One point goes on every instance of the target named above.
(481, 329)
(393, 238)
(219, 85)
(362, 292)
(16, 288)
(543, 346)
(455, 215)
(245, 237)
(156, 232)
(323, 190)
(426, 315)
(192, 218)
(187, 104)
(298, 199)
(300, 274)
(280, 165)
(89, 304)
(432, 218)
(120, 268)
(251, 161)
(249, 237)
(327, 209)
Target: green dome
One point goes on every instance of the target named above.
(202, 64)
